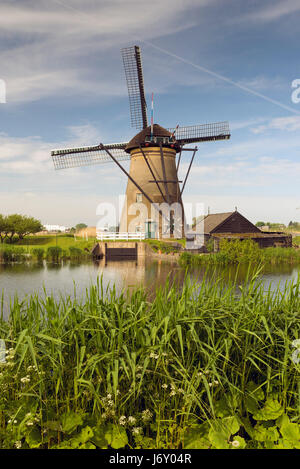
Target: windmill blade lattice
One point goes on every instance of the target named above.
(132, 61)
(201, 133)
(85, 156)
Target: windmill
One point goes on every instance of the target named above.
(154, 153)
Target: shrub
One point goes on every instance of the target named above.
(12, 254)
(75, 253)
(38, 253)
(54, 253)
(236, 251)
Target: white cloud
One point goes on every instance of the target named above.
(274, 11)
(290, 124)
(55, 42)
(53, 208)
(32, 155)
(263, 207)
(262, 82)
(260, 165)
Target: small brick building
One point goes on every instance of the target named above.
(233, 225)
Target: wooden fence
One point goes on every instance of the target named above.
(112, 236)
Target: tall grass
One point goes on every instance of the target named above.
(12, 254)
(121, 370)
(236, 252)
(52, 254)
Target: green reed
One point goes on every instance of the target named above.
(123, 370)
(237, 252)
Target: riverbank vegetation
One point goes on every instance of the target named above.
(51, 253)
(236, 251)
(67, 246)
(203, 366)
(166, 247)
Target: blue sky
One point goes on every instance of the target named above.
(205, 61)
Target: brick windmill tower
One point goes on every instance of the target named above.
(153, 202)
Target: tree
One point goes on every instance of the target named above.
(80, 226)
(19, 225)
(260, 224)
(12, 222)
(294, 225)
(3, 225)
(28, 225)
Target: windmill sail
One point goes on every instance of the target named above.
(201, 133)
(132, 61)
(85, 156)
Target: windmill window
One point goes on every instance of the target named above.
(139, 197)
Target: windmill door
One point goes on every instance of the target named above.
(150, 229)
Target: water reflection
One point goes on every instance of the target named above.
(29, 278)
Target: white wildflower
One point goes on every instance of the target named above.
(136, 430)
(25, 379)
(235, 443)
(18, 444)
(31, 368)
(131, 420)
(122, 420)
(164, 386)
(146, 415)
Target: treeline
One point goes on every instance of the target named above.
(15, 227)
(293, 225)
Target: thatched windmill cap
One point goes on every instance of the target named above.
(139, 139)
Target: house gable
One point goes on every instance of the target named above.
(236, 223)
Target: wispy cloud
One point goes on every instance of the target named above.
(56, 42)
(274, 11)
(289, 124)
(31, 155)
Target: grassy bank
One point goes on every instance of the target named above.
(57, 248)
(235, 252)
(13, 253)
(52, 248)
(166, 247)
(62, 241)
(201, 367)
